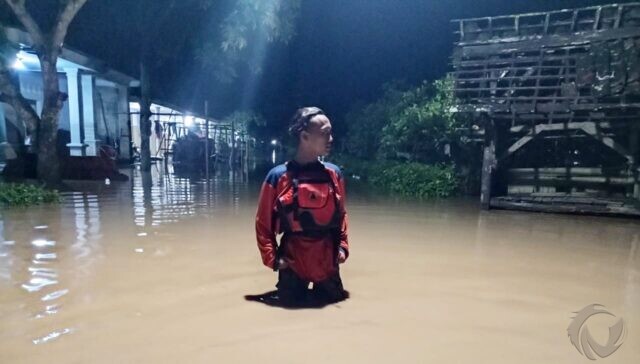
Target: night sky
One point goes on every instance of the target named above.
(344, 51)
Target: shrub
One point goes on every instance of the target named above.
(408, 179)
(417, 180)
(25, 194)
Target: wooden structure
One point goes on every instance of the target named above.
(557, 99)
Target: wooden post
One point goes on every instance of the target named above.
(247, 141)
(634, 148)
(488, 161)
(500, 173)
(616, 24)
(596, 22)
(206, 139)
(233, 144)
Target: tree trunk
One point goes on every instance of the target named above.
(232, 154)
(10, 93)
(48, 46)
(47, 131)
(488, 162)
(145, 115)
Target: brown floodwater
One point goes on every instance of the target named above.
(124, 273)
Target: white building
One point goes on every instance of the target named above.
(99, 110)
(173, 123)
(169, 122)
(96, 112)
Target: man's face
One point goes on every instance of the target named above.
(317, 139)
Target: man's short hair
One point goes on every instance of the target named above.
(301, 119)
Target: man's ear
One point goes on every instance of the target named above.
(304, 135)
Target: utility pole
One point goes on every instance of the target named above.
(206, 140)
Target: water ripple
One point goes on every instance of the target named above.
(54, 295)
(51, 336)
(36, 284)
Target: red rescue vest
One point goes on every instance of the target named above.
(312, 204)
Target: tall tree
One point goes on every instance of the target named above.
(47, 44)
(242, 41)
(149, 18)
(161, 32)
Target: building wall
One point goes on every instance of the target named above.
(124, 124)
(134, 109)
(31, 89)
(110, 104)
(106, 113)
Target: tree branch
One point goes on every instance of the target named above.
(155, 21)
(11, 95)
(19, 9)
(64, 19)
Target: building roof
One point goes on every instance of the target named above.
(76, 57)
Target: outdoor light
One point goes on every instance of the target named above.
(274, 142)
(18, 64)
(23, 59)
(189, 121)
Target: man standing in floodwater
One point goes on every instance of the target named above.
(305, 200)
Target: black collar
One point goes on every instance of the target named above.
(292, 165)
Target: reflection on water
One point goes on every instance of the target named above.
(51, 336)
(171, 257)
(164, 197)
(30, 257)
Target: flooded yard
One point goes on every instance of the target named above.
(155, 270)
